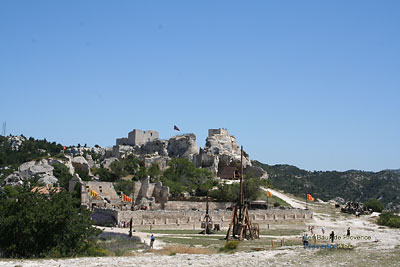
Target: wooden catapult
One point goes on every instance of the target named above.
(241, 226)
(206, 224)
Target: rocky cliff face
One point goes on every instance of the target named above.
(221, 149)
(37, 168)
(182, 146)
(158, 151)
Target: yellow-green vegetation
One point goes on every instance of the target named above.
(281, 232)
(173, 250)
(171, 231)
(272, 200)
(230, 246)
(208, 241)
(119, 244)
(230, 192)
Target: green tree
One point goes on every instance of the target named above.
(62, 173)
(153, 171)
(131, 164)
(105, 175)
(141, 173)
(84, 174)
(231, 192)
(35, 225)
(182, 176)
(125, 186)
(375, 205)
(117, 167)
(389, 219)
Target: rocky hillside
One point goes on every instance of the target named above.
(350, 185)
(25, 159)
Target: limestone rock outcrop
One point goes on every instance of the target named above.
(121, 151)
(182, 146)
(81, 163)
(156, 147)
(161, 162)
(33, 168)
(38, 168)
(107, 162)
(221, 150)
(82, 150)
(13, 179)
(145, 192)
(15, 142)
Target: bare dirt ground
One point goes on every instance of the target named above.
(364, 233)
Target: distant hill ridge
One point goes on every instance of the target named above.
(352, 185)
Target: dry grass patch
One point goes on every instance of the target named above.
(173, 250)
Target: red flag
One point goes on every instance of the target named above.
(176, 128)
(64, 147)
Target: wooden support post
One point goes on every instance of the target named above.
(272, 243)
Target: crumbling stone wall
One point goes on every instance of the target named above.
(150, 192)
(195, 217)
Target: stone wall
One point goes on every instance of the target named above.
(139, 137)
(122, 141)
(193, 205)
(212, 132)
(104, 189)
(195, 217)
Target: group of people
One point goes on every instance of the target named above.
(123, 224)
(312, 237)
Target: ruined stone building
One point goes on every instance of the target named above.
(138, 137)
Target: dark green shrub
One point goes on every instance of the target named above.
(375, 205)
(44, 225)
(105, 175)
(389, 219)
(62, 173)
(230, 246)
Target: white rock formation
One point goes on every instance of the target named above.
(107, 162)
(182, 146)
(31, 169)
(13, 179)
(221, 149)
(121, 151)
(156, 147)
(80, 162)
(16, 141)
(40, 167)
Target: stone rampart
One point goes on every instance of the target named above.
(196, 205)
(164, 217)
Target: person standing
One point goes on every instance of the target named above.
(348, 231)
(332, 236)
(152, 238)
(305, 241)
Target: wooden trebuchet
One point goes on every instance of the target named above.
(241, 226)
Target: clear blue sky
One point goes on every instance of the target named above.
(315, 84)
